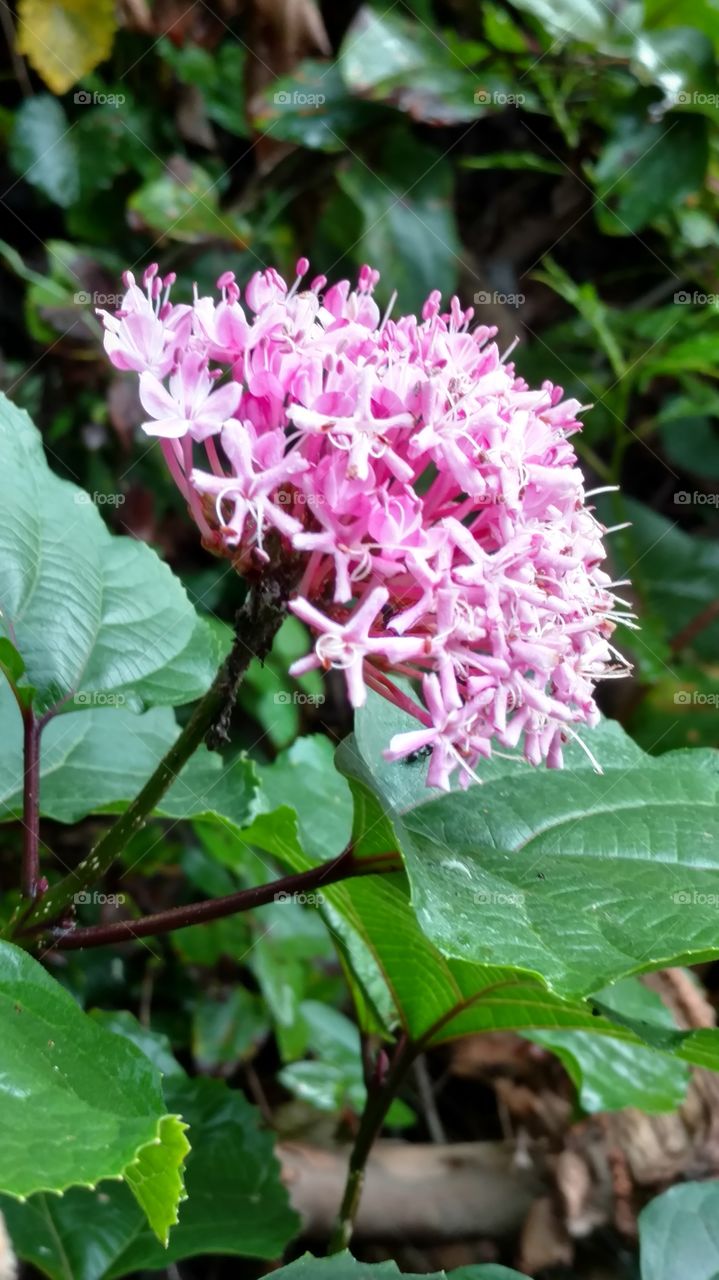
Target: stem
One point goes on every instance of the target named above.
(31, 805)
(379, 1101)
(255, 627)
(340, 868)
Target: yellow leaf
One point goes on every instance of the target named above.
(65, 39)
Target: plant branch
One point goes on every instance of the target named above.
(380, 1096)
(31, 805)
(340, 868)
(256, 624)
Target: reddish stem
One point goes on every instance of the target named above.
(340, 868)
(31, 805)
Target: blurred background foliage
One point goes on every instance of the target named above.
(554, 161)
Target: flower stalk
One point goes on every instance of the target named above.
(381, 1092)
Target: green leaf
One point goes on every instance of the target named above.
(291, 948)
(182, 204)
(344, 1267)
(521, 160)
(703, 15)
(408, 230)
(611, 1074)
(648, 168)
(65, 40)
(313, 109)
(236, 1202)
(334, 1078)
(91, 1102)
(502, 31)
(153, 1044)
(565, 20)
(13, 668)
(227, 1032)
(679, 1233)
(155, 1177)
(96, 619)
(95, 761)
(211, 72)
(681, 62)
(692, 443)
(42, 150)
(391, 59)
(577, 877)
(675, 573)
(10, 661)
(437, 999)
(304, 777)
(588, 304)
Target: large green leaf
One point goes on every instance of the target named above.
(236, 1203)
(679, 1233)
(437, 998)
(578, 877)
(96, 618)
(79, 1104)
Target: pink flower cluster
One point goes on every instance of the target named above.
(430, 499)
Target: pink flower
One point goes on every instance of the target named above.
(426, 501)
(146, 334)
(347, 645)
(190, 406)
(258, 468)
